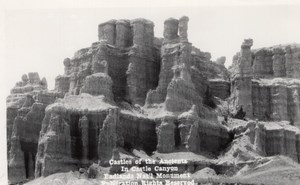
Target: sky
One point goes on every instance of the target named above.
(37, 40)
(36, 36)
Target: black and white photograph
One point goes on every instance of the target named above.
(150, 92)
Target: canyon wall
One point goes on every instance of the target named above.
(261, 139)
(25, 113)
(265, 82)
(106, 99)
(132, 91)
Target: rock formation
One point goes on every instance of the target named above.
(132, 91)
(264, 85)
(189, 126)
(97, 84)
(16, 163)
(165, 135)
(241, 78)
(84, 134)
(25, 113)
(109, 136)
(265, 139)
(54, 148)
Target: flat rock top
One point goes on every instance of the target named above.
(282, 46)
(217, 80)
(281, 125)
(82, 102)
(142, 20)
(278, 81)
(182, 155)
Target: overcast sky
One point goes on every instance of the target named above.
(37, 35)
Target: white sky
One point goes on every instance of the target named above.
(39, 40)
(39, 35)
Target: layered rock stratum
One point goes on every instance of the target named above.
(131, 95)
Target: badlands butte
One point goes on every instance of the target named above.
(133, 96)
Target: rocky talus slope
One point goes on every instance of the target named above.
(133, 95)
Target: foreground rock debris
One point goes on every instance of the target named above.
(131, 96)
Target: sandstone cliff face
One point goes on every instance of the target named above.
(241, 73)
(70, 129)
(127, 64)
(201, 135)
(54, 148)
(125, 52)
(98, 84)
(166, 135)
(25, 110)
(109, 136)
(264, 85)
(182, 86)
(132, 91)
(258, 139)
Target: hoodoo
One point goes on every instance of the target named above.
(131, 96)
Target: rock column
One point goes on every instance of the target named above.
(73, 82)
(16, 163)
(289, 62)
(293, 103)
(263, 63)
(242, 86)
(245, 59)
(165, 133)
(298, 146)
(171, 29)
(188, 128)
(107, 31)
(143, 33)
(108, 137)
(290, 144)
(62, 84)
(30, 168)
(279, 103)
(260, 139)
(275, 142)
(140, 72)
(68, 66)
(183, 27)
(84, 130)
(278, 62)
(54, 148)
(123, 33)
(34, 77)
